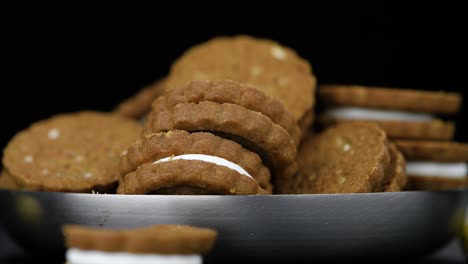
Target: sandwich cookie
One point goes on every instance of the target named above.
(276, 70)
(179, 162)
(251, 129)
(153, 244)
(76, 152)
(435, 165)
(407, 114)
(227, 91)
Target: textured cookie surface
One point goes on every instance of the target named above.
(251, 129)
(156, 146)
(347, 158)
(140, 103)
(390, 98)
(187, 177)
(395, 129)
(75, 152)
(160, 239)
(398, 179)
(276, 70)
(433, 150)
(226, 91)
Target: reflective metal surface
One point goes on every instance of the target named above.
(311, 226)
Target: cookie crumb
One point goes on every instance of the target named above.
(346, 147)
(87, 175)
(28, 159)
(53, 134)
(278, 53)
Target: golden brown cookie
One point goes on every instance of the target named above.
(140, 103)
(346, 158)
(156, 146)
(251, 129)
(6, 181)
(390, 98)
(433, 150)
(76, 152)
(159, 239)
(227, 91)
(187, 177)
(275, 69)
(398, 178)
(398, 129)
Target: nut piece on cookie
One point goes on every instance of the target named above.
(403, 114)
(153, 244)
(76, 152)
(276, 70)
(435, 165)
(180, 162)
(346, 158)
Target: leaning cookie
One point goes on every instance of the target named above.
(401, 113)
(200, 146)
(435, 165)
(276, 70)
(140, 104)
(153, 244)
(77, 152)
(251, 129)
(227, 91)
(346, 158)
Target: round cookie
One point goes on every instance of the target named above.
(76, 152)
(157, 146)
(140, 103)
(187, 177)
(390, 98)
(251, 129)
(346, 158)
(163, 240)
(433, 150)
(227, 91)
(276, 70)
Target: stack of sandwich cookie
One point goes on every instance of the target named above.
(347, 158)
(435, 165)
(76, 152)
(154, 244)
(253, 129)
(276, 70)
(405, 114)
(139, 104)
(180, 162)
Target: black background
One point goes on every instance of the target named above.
(68, 62)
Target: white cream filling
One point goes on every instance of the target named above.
(358, 113)
(207, 158)
(78, 256)
(458, 170)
